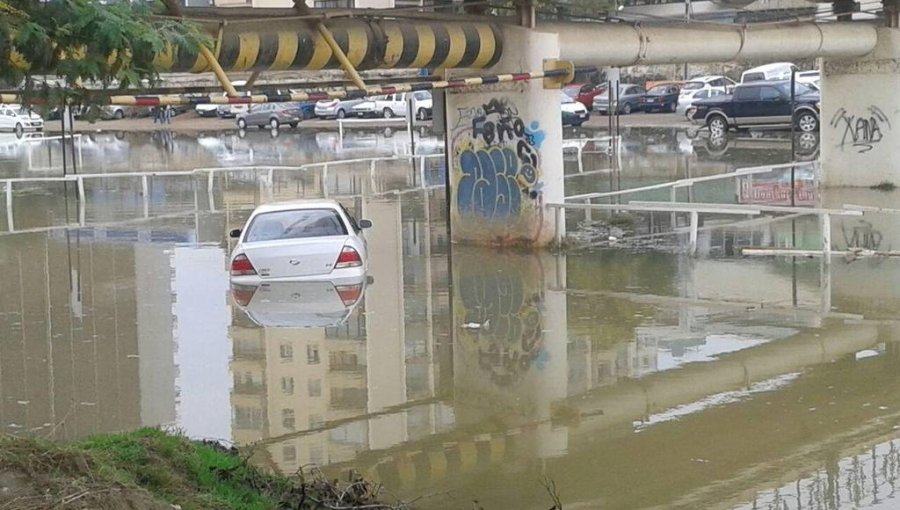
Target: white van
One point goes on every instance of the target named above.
(768, 72)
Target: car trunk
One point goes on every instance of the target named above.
(295, 257)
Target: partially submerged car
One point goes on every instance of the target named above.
(299, 241)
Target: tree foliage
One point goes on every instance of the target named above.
(82, 42)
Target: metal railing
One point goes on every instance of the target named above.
(267, 180)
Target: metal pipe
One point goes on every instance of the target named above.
(620, 44)
(279, 45)
(218, 71)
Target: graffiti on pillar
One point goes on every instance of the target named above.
(498, 175)
(862, 235)
(503, 322)
(861, 132)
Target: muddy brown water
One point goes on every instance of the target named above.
(629, 380)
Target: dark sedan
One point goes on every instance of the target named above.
(629, 99)
(661, 98)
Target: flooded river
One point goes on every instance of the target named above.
(628, 380)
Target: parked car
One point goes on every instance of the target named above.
(208, 110)
(573, 112)
(811, 78)
(584, 93)
(424, 104)
(211, 110)
(116, 112)
(661, 98)
(391, 105)
(231, 111)
(686, 103)
(769, 72)
(271, 115)
(760, 104)
(307, 109)
(299, 241)
(15, 118)
(629, 99)
(335, 108)
(694, 89)
(55, 113)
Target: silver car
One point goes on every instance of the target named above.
(270, 115)
(336, 108)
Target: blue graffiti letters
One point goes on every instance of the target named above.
(489, 186)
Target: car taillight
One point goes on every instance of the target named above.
(349, 294)
(349, 257)
(241, 266)
(243, 295)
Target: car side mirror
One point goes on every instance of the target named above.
(365, 224)
(234, 234)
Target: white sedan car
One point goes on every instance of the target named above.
(299, 241)
(17, 119)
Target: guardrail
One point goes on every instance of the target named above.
(211, 173)
(695, 209)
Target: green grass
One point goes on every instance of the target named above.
(168, 468)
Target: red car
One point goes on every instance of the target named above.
(584, 93)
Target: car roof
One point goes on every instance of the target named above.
(293, 205)
(706, 79)
(766, 67)
(764, 82)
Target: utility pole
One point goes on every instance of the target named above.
(687, 19)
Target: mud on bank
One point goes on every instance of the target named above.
(152, 470)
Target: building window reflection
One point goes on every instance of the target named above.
(315, 388)
(343, 361)
(289, 453)
(312, 354)
(287, 385)
(287, 352)
(247, 418)
(287, 419)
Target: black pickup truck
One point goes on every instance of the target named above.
(760, 104)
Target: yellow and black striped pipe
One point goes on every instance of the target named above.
(367, 44)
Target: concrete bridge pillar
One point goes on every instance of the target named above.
(504, 151)
(860, 119)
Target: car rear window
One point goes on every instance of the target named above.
(295, 224)
(748, 77)
(661, 91)
(693, 85)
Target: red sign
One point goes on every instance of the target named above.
(769, 192)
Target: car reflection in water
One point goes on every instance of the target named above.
(308, 304)
(718, 145)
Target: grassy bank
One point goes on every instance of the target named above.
(153, 470)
